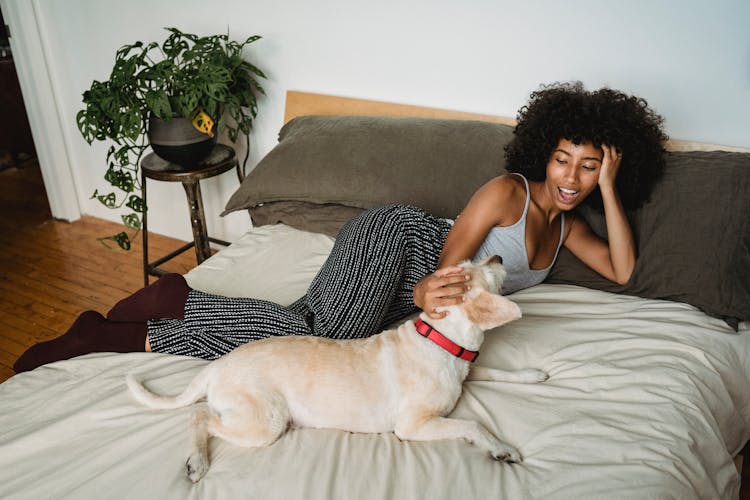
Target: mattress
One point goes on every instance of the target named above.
(646, 399)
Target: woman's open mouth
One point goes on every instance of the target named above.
(567, 196)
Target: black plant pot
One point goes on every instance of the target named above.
(177, 141)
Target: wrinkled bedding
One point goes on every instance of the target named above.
(646, 399)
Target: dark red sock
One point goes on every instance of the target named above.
(163, 299)
(91, 332)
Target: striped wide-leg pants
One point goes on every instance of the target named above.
(366, 283)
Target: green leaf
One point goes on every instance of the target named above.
(133, 221)
(86, 126)
(254, 69)
(108, 200)
(120, 179)
(121, 155)
(188, 103)
(121, 239)
(158, 103)
(251, 40)
(132, 124)
(136, 203)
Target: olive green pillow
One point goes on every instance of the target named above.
(360, 162)
(693, 238)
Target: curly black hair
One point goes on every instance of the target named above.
(604, 116)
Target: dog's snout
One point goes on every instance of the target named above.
(496, 259)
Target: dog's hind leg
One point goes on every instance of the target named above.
(248, 419)
(197, 463)
(525, 376)
(430, 428)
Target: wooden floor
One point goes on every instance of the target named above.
(50, 270)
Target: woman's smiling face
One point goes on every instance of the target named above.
(572, 173)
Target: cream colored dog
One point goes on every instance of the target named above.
(398, 381)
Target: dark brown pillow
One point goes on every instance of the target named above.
(366, 161)
(693, 238)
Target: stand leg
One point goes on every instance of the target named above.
(197, 219)
(144, 230)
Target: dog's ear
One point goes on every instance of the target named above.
(489, 310)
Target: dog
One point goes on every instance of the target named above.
(403, 380)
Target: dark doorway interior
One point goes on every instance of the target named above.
(16, 143)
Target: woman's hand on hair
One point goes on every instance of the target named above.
(444, 287)
(610, 166)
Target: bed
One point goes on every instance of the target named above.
(648, 391)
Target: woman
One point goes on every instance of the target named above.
(570, 146)
(569, 143)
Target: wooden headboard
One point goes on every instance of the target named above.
(307, 103)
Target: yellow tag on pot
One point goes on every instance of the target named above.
(203, 123)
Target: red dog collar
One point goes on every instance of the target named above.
(429, 332)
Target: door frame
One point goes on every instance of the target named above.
(30, 57)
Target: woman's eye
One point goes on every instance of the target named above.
(588, 167)
(561, 162)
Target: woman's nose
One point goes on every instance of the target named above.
(570, 174)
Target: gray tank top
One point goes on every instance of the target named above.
(509, 242)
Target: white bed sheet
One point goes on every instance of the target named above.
(646, 399)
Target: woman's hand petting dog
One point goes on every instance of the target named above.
(445, 287)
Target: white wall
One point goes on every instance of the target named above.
(689, 58)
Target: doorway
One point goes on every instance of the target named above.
(27, 37)
(16, 143)
(25, 199)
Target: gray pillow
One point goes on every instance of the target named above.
(326, 218)
(693, 238)
(362, 162)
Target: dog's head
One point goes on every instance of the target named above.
(483, 306)
(488, 274)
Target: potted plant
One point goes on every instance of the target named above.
(204, 79)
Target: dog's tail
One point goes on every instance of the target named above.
(192, 393)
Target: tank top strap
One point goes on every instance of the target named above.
(559, 243)
(526, 210)
(528, 194)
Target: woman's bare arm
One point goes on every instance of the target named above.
(615, 259)
(484, 211)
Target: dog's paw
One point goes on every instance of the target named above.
(196, 467)
(532, 376)
(506, 454)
